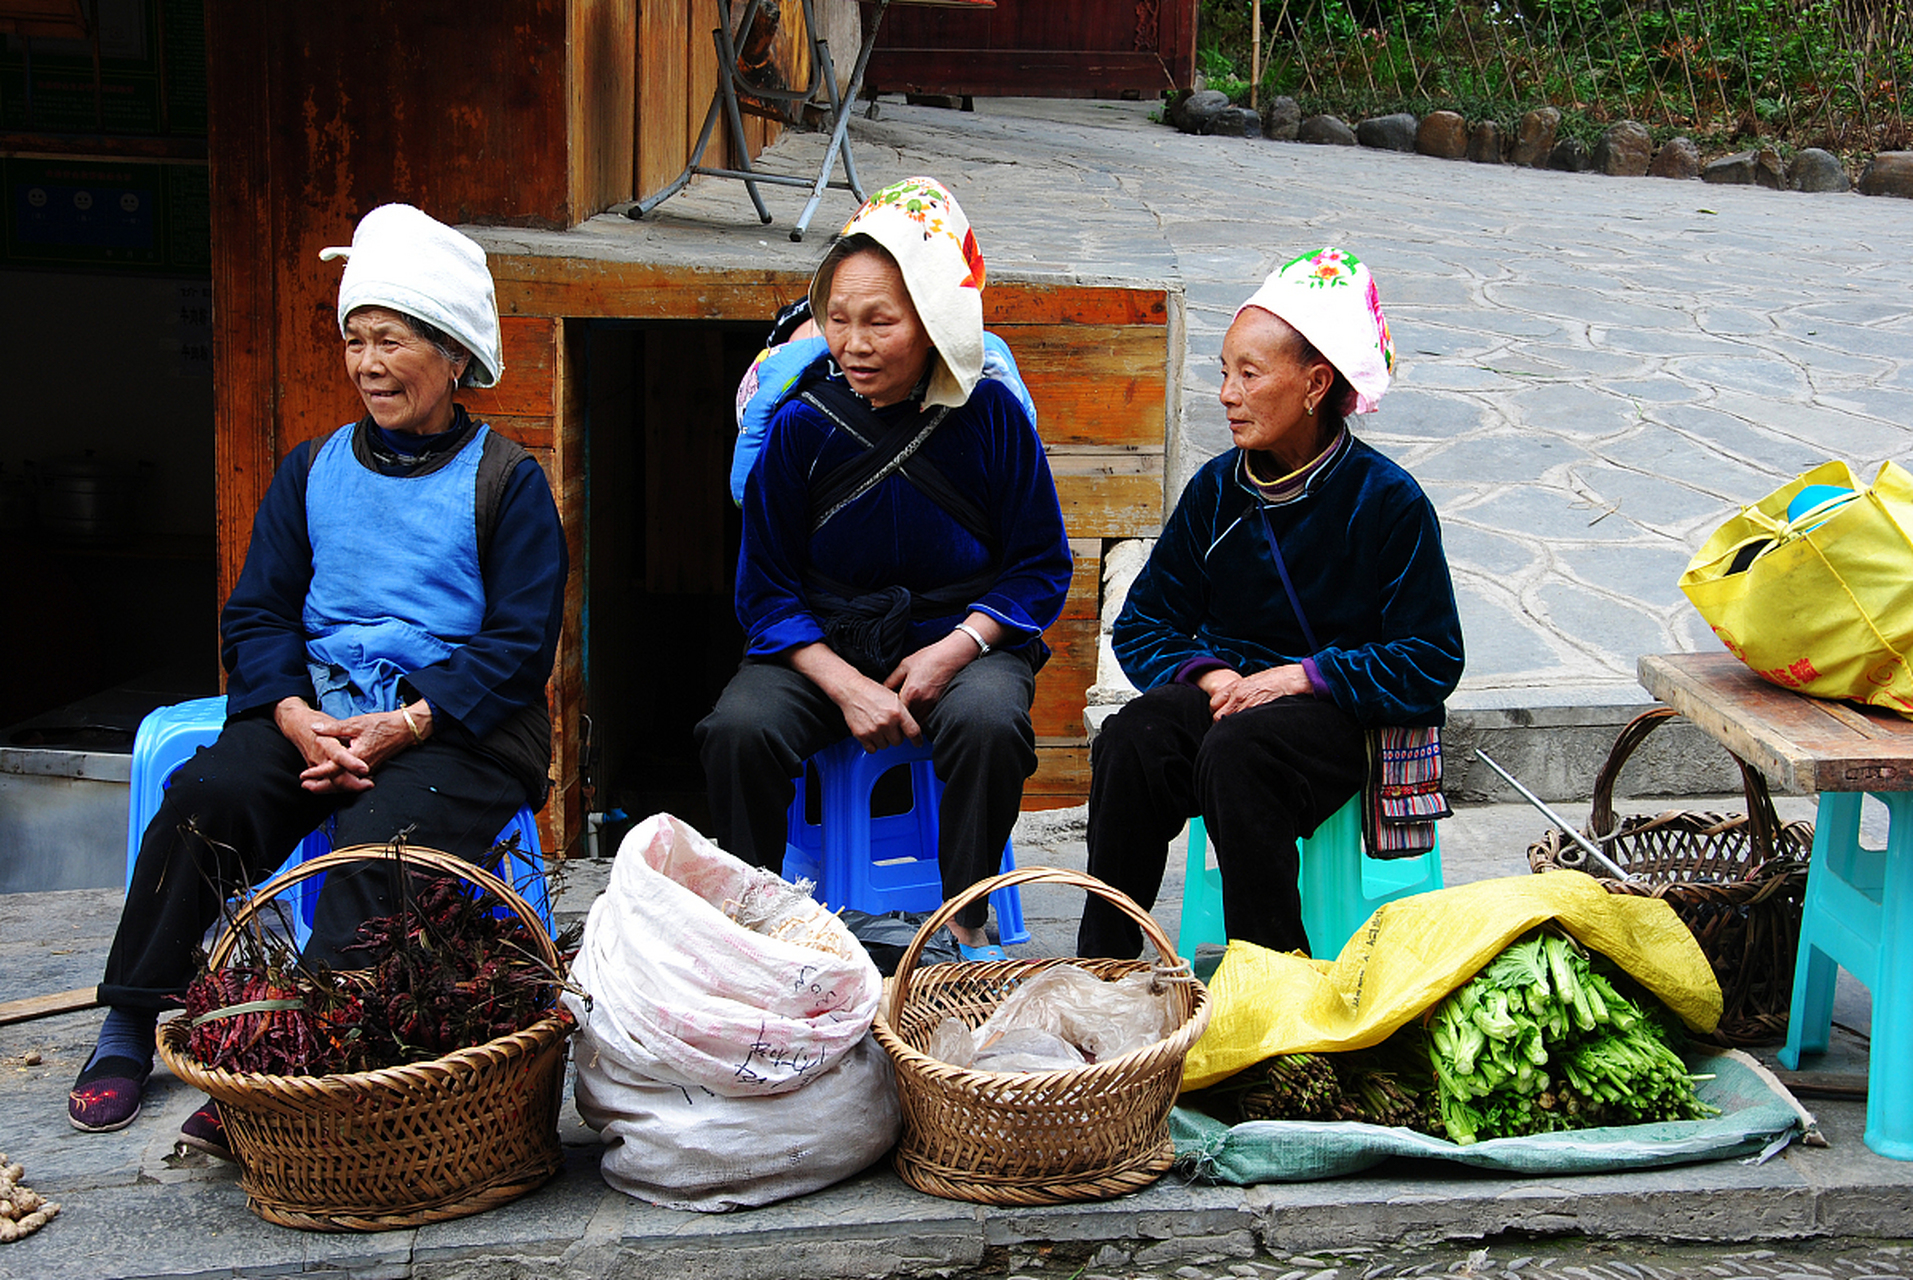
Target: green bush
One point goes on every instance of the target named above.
(1726, 72)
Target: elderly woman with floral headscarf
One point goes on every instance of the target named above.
(903, 552)
(386, 649)
(1297, 597)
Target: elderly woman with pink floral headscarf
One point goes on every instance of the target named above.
(903, 552)
(1297, 597)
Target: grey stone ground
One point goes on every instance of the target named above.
(1594, 371)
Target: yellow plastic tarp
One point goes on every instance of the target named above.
(1414, 951)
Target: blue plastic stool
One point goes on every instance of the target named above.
(1341, 887)
(1859, 916)
(880, 864)
(166, 740)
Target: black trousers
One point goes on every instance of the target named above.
(235, 810)
(770, 719)
(1260, 778)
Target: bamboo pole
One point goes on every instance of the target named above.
(1255, 56)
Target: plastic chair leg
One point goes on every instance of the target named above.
(1836, 834)
(1889, 1130)
(1008, 905)
(1201, 896)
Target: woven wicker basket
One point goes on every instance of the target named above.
(1030, 1138)
(1736, 880)
(402, 1146)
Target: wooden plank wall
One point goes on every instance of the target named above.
(1080, 49)
(678, 57)
(1097, 366)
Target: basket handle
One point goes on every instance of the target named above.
(1026, 875)
(413, 856)
(1762, 820)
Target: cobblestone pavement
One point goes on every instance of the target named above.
(1574, 1259)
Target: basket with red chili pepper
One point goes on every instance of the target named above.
(423, 1087)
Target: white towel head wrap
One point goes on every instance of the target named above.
(409, 261)
(1329, 297)
(921, 225)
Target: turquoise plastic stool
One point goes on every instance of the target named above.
(1859, 916)
(166, 740)
(1340, 886)
(880, 864)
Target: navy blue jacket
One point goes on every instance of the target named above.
(1363, 550)
(894, 535)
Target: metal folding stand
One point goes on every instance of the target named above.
(724, 101)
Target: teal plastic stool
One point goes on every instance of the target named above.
(1859, 916)
(1340, 886)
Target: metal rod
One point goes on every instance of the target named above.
(1593, 850)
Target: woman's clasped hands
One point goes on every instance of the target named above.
(341, 755)
(1230, 692)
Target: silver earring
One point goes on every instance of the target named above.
(1308, 408)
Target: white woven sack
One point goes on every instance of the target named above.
(685, 1147)
(682, 993)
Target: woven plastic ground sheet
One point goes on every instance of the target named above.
(1414, 951)
(1755, 1115)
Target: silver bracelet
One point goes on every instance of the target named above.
(982, 645)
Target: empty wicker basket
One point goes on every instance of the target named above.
(1041, 1137)
(1738, 881)
(398, 1147)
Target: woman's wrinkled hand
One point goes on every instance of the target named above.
(921, 677)
(341, 755)
(875, 715)
(1230, 693)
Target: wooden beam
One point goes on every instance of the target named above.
(593, 286)
(59, 1002)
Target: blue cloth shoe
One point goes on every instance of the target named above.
(989, 951)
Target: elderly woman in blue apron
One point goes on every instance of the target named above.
(1298, 597)
(386, 649)
(903, 551)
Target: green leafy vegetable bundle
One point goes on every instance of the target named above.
(1539, 1041)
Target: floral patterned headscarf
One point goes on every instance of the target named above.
(1329, 297)
(921, 225)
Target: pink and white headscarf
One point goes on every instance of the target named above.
(921, 225)
(1329, 297)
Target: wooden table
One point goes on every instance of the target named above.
(1859, 908)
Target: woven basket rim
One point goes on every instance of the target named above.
(557, 1020)
(917, 1070)
(1177, 1042)
(553, 1027)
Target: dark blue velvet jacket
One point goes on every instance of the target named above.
(894, 535)
(1363, 550)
